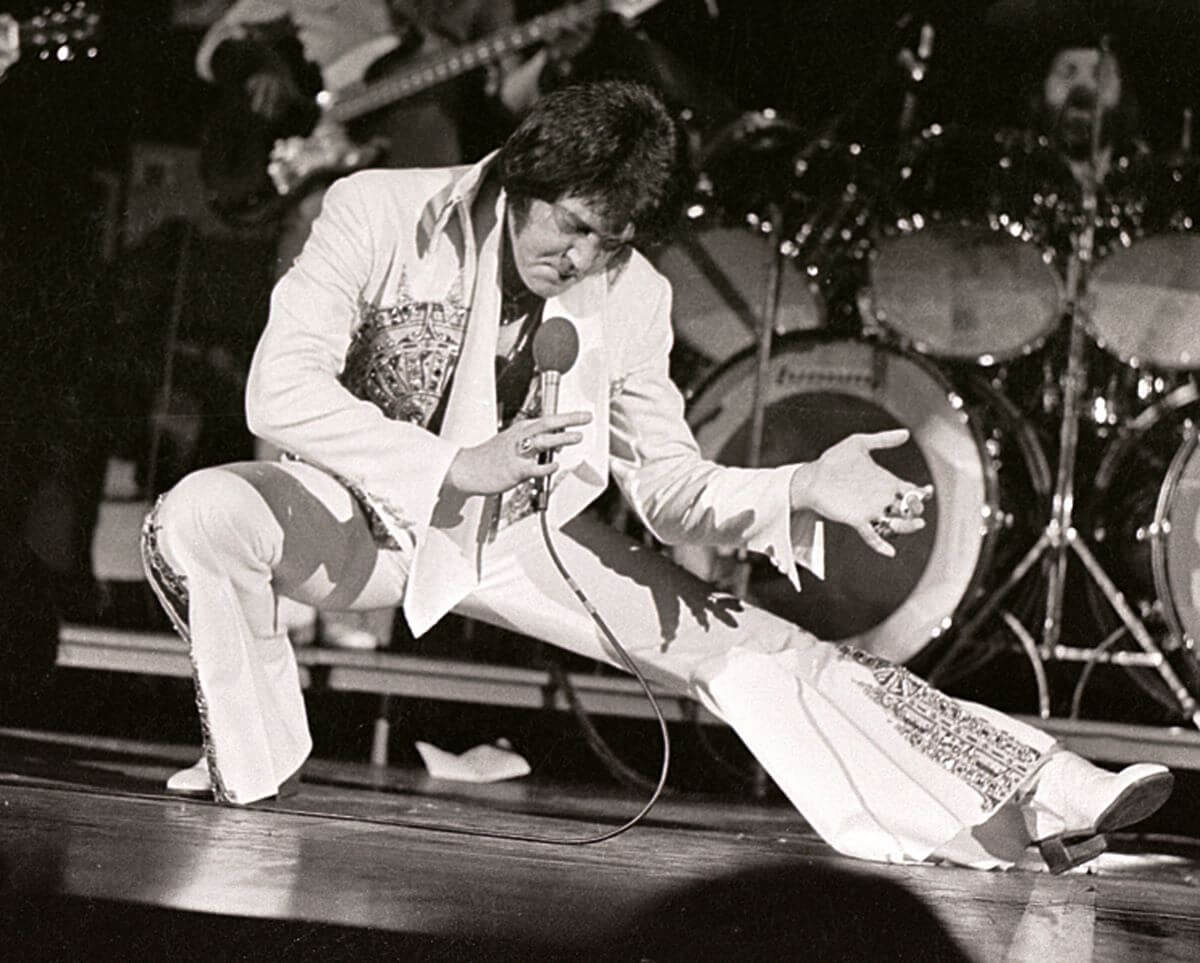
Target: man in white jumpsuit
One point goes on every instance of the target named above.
(395, 370)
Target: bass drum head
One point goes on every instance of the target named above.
(718, 277)
(820, 391)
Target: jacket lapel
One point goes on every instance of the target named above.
(583, 468)
(445, 566)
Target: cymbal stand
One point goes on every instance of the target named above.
(766, 331)
(1059, 539)
(772, 224)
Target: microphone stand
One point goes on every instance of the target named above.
(1060, 538)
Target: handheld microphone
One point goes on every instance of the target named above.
(555, 348)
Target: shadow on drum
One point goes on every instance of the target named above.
(758, 185)
(718, 277)
(989, 474)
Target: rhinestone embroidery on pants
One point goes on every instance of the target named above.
(170, 587)
(988, 759)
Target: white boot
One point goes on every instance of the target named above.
(1073, 803)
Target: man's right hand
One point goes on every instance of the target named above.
(271, 93)
(511, 457)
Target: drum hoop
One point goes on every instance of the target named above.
(989, 528)
(1159, 561)
(1178, 398)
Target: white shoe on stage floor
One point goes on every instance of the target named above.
(195, 781)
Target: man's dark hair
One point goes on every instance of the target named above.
(612, 143)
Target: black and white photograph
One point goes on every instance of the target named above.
(600, 480)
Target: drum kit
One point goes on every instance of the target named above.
(1039, 335)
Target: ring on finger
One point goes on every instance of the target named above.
(906, 505)
(882, 527)
(525, 446)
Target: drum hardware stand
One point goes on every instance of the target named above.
(768, 327)
(766, 332)
(1060, 537)
(760, 782)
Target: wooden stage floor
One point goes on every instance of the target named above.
(95, 863)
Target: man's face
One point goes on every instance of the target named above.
(1079, 84)
(556, 245)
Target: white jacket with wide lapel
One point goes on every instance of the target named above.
(389, 235)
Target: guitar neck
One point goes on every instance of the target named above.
(438, 68)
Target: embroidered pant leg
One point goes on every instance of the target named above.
(883, 766)
(220, 547)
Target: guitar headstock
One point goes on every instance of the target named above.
(60, 32)
(630, 9)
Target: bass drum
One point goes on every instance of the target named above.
(1147, 524)
(989, 474)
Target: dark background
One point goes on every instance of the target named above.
(811, 59)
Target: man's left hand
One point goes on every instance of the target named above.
(847, 485)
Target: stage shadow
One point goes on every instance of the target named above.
(812, 912)
(96, 769)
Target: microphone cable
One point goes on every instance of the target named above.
(628, 663)
(558, 347)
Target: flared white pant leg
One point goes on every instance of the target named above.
(220, 548)
(882, 765)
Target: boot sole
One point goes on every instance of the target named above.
(1136, 802)
(1133, 804)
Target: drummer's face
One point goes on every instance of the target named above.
(1079, 81)
(556, 245)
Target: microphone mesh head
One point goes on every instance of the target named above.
(555, 345)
